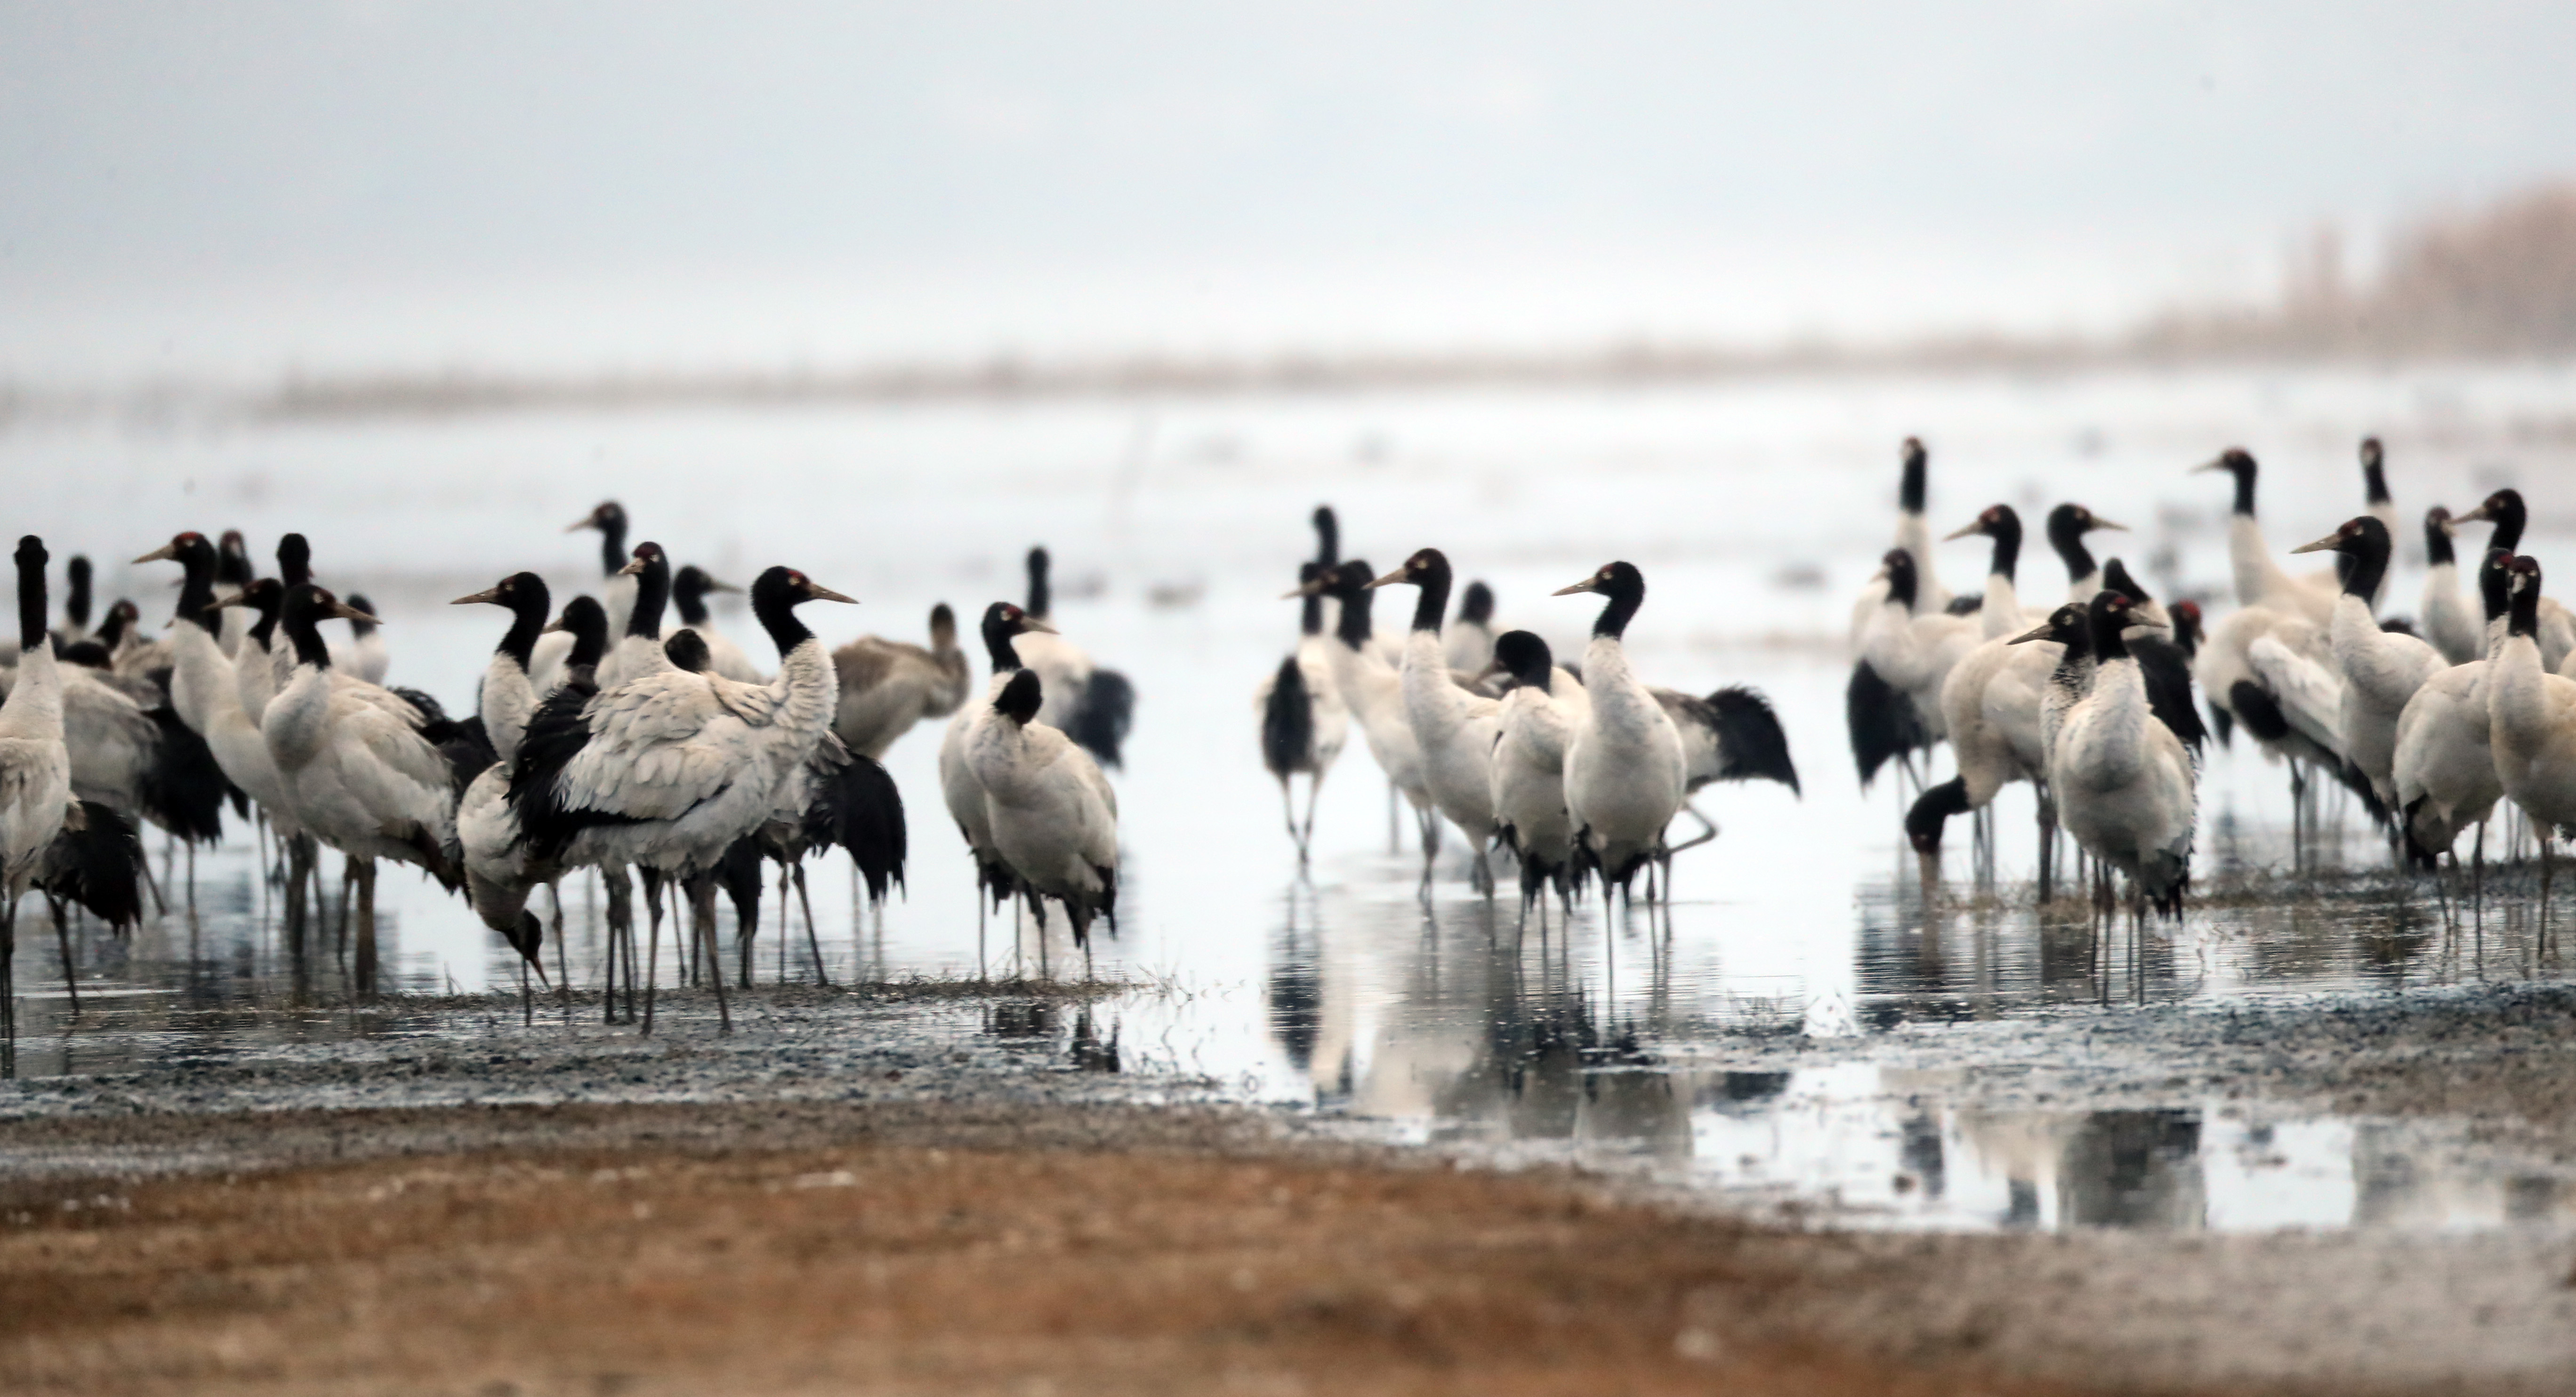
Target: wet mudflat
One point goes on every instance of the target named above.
(2314, 1136)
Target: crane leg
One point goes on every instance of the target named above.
(702, 909)
(8, 983)
(813, 942)
(563, 960)
(63, 941)
(1306, 837)
(652, 943)
(364, 874)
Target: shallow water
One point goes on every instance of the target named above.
(1336, 986)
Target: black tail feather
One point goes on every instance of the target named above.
(739, 874)
(1883, 722)
(859, 809)
(1107, 709)
(97, 861)
(1287, 721)
(182, 790)
(1751, 744)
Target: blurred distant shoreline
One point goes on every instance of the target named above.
(2496, 284)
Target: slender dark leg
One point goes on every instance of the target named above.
(1314, 789)
(703, 911)
(366, 880)
(652, 943)
(2548, 871)
(2478, 898)
(563, 961)
(1288, 804)
(8, 982)
(608, 967)
(63, 940)
(814, 943)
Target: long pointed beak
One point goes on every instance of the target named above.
(236, 599)
(347, 612)
(2450, 528)
(487, 594)
(715, 586)
(1589, 584)
(1963, 533)
(2035, 633)
(584, 522)
(819, 592)
(554, 627)
(2101, 523)
(2473, 516)
(2215, 463)
(1391, 579)
(2321, 545)
(1308, 589)
(1042, 628)
(165, 551)
(634, 567)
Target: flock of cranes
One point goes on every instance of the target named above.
(1575, 773)
(2429, 724)
(607, 737)
(602, 740)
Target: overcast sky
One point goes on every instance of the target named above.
(239, 187)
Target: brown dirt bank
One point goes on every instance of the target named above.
(652, 1249)
(897, 1247)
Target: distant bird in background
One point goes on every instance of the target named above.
(689, 589)
(1093, 706)
(887, 686)
(1469, 639)
(1303, 720)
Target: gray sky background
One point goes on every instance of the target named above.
(239, 188)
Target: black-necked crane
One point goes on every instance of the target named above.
(689, 589)
(2445, 768)
(888, 686)
(76, 600)
(638, 648)
(1373, 691)
(2448, 620)
(358, 776)
(35, 776)
(617, 591)
(233, 572)
(1002, 624)
(2126, 787)
(1911, 649)
(2532, 716)
(1303, 719)
(1469, 640)
(2556, 627)
(366, 658)
(1454, 728)
(495, 881)
(2260, 579)
(1625, 773)
(1999, 606)
(1091, 705)
(1053, 814)
(2068, 523)
(500, 872)
(667, 770)
(1884, 729)
(2381, 669)
(1540, 715)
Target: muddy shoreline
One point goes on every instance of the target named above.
(818, 1085)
